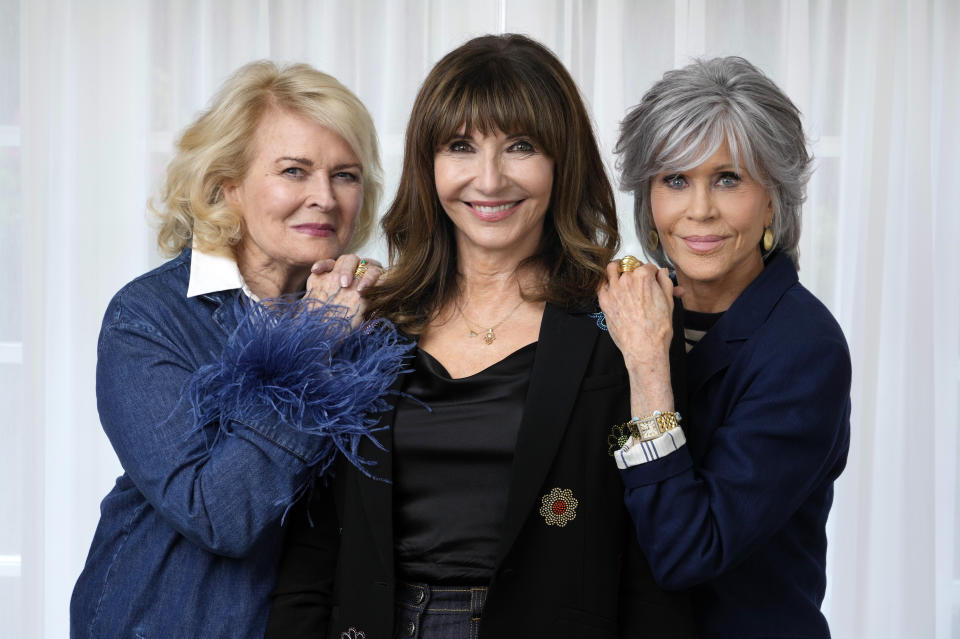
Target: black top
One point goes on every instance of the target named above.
(696, 325)
(586, 579)
(452, 467)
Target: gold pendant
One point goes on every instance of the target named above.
(489, 337)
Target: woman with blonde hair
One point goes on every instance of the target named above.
(231, 377)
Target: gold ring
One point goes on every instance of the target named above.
(361, 270)
(629, 263)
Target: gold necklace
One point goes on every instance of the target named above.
(489, 335)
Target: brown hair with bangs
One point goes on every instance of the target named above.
(515, 85)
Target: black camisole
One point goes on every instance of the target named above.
(452, 465)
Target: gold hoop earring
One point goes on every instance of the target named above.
(653, 240)
(767, 239)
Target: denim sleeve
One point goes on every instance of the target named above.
(221, 498)
(220, 484)
(785, 435)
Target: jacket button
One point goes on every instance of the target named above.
(411, 629)
(420, 596)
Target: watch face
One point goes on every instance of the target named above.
(650, 430)
(646, 429)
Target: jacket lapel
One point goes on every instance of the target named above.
(223, 316)
(564, 348)
(376, 494)
(721, 343)
(678, 362)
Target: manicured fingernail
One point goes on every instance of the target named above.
(344, 281)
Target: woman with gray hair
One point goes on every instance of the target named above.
(734, 502)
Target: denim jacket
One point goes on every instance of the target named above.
(189, 537)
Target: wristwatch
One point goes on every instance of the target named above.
(650, 427)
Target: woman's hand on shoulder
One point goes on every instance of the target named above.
(638, 306)
(341, 281)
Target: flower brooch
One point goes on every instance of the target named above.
(558, 507)
(619, 434)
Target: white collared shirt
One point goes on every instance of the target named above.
(210, 273)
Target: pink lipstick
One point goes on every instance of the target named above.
(315, 230)
(703, 243)
(494, 211)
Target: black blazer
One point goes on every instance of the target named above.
(585, 579)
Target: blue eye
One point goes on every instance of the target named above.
(294, 171)
(347, 176)
(729, 179)
(675, 181)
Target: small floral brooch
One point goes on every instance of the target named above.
(353, 633)
(600, 319)
(618, 436)
(558, 507)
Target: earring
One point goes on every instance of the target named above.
(767, 239)
(653, 240)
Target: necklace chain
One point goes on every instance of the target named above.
(489, 336)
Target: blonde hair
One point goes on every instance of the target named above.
(218, 147)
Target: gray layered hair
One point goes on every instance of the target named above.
(686, 116)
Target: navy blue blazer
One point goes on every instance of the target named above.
(739, 513)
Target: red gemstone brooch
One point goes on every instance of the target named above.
(558, 507)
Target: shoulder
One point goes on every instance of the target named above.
(776, 332)
(791, 313)
(777, 312)
(800, 345)
(158, 288)
(801, 320)
(581, 316)
(584, 321)
(576, 344)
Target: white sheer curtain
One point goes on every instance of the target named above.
(87, 121)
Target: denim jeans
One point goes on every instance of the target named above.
(437, 612)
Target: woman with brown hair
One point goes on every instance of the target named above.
(498, 510)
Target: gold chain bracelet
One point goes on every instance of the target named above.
(650, 427)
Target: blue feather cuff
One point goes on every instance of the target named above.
(300, 362)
